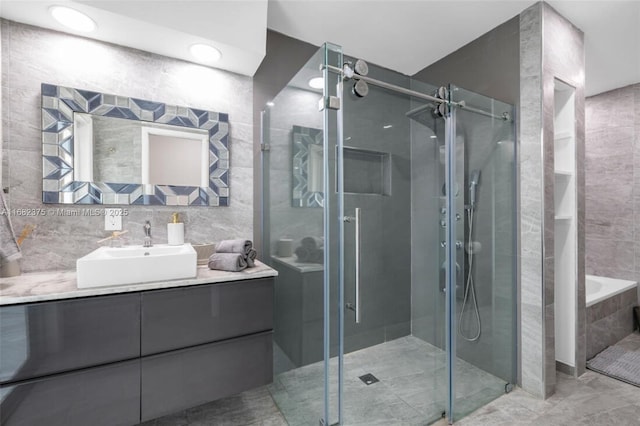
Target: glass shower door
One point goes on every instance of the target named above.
(392, 264)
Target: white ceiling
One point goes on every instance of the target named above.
(407, 36)
(399, 34)
(166, 27)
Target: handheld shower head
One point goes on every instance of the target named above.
(474, 177)
(474, 180)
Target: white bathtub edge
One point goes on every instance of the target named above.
(614, 286)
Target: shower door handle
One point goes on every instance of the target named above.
(356, 218)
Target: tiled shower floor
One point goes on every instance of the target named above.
(411, 388)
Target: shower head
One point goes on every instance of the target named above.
(423, 115)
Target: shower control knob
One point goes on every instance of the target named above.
(443, 223)
(459, 245)
(443, 243)
(443, 210)
(458, 217)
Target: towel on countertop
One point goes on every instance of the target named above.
(232, 262)
(235, 246)
(312, 243)
(302, 254)
(241, 247)
(251, 258)
(306, 255)
(9, 248)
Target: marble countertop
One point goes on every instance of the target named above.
(292, 262)
(57, 285)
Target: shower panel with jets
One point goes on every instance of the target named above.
(406, 194)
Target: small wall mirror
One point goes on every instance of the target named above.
(308, 158)
(107, 149)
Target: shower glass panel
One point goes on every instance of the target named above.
(484, 304)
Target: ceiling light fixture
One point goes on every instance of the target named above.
(387, 126)
(316, 83)
(205, 52)
(72, 19)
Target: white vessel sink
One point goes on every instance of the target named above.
(108, 266)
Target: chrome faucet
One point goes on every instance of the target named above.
(147, 234)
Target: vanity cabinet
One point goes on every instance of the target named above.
(107, 395)
(39, 339)
(185, 378)
(184, 317)
(126, 358)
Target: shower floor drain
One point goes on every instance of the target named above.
(369, 379)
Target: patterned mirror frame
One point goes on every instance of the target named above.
(58, 184)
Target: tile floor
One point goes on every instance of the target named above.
(592, 399)
(411, 388)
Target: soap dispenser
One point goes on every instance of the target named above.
(175, 231)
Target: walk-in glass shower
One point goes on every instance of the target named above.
(389, 213)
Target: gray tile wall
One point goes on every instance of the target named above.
(2, 165)
(612, 170)
(550, 47)
(386, 219)
(487, 65)
(531, 261)
(427, 275)
(33, 55)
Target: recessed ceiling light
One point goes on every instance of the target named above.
(387, 126)
(72, 19)
(270, 104)
(205, 52)
(316, 83)
(433, 137)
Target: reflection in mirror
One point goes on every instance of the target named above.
(307, 167)
(174, 157)
(107, 149)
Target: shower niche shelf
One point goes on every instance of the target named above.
(367, 172)
(562, 136)
(565, 237)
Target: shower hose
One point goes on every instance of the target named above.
(469, 288)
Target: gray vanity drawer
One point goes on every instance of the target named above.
(108, 396)
(185, 378)
(44, 338)
(183, 317)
